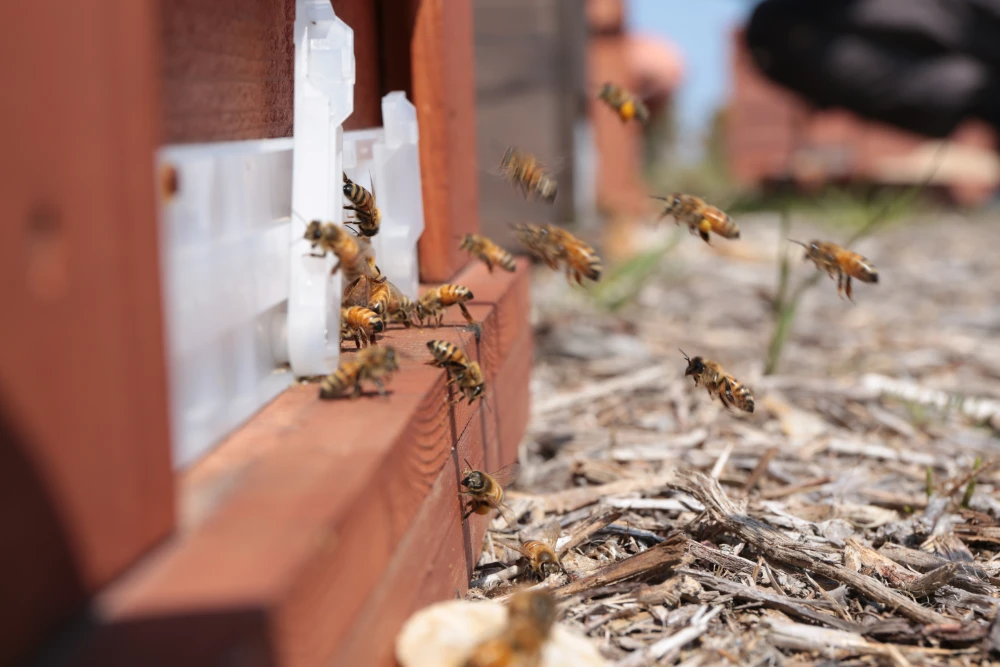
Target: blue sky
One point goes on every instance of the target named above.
(700, 29)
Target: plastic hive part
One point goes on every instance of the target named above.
(324, 98)
(390, 155)
(224, 260)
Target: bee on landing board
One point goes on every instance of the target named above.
(554, 245)
(372, 364)
(485, 491)
(700, 217)
(432, 304)
(625, 104)
(719, 383)
(527, 173)
(840, 262)
(367, 216)
(355, 254)
(464, 373)
(530, 616)
(540, 555)
(383, 298)
(360, 324)
(488, 252)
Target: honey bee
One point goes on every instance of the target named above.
(627, 105)
(372, 364)
(486, 491)
(840, 262)
(719, 383)
(527, 173)
(540, 554)
(367, 216)
(466, 374)
(530, 616)
(354, 253)
(360, 324)
(700, 217)
(553, 245)
(432, 304)
(389, 302)
(488, 252)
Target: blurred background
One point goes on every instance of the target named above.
(720, 128)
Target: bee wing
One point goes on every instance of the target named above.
(512, 545)
(550, 533)
(507, 474)
(371, 181)
(358, 293)
(506, 512)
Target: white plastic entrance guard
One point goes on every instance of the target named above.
(243, 302)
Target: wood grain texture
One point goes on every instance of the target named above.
(85, 479)
(309, 510)
(443, 85)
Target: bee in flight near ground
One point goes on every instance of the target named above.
(464, 373)
(625, 104)
(553, 245)
(431, 306)
(540, 554)
(360, 324)
(700, 217)
(486, 491)
(528, 174)
(530, 616)
(719, 383)
(840, 262)
(367, 215)
(372, 364)
(355, 254)
(488, 252)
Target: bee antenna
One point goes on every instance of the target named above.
(467, 464)
(799, 242)
(686, 358)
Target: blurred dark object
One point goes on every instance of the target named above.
(921, 65)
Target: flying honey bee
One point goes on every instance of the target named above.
(627, 105)
(541, 555)
(719, 383)
(531, 614)
(466, 374)
(431, 305)
(360, 324)
(372, 364)
(488, 252)
(367, 215)
(840, 262)
(528, 174)
(355, 254)
(486, 491)
(700, 217)
(553, 245)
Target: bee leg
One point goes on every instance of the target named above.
(357, 390)
(704, 236)
(847, 286)
(315, 254)
(336, 267)
(466, 314)
(381, 388)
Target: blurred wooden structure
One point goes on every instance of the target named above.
(309, 534)
(774, 137)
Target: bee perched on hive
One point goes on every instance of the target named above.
(719, 383)
(367, 216)
(360, 324)
(462, 371)
(432, 304)
(700, 216)
(355, 254)
(485, 491)
(840, 262)
(372, 364)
